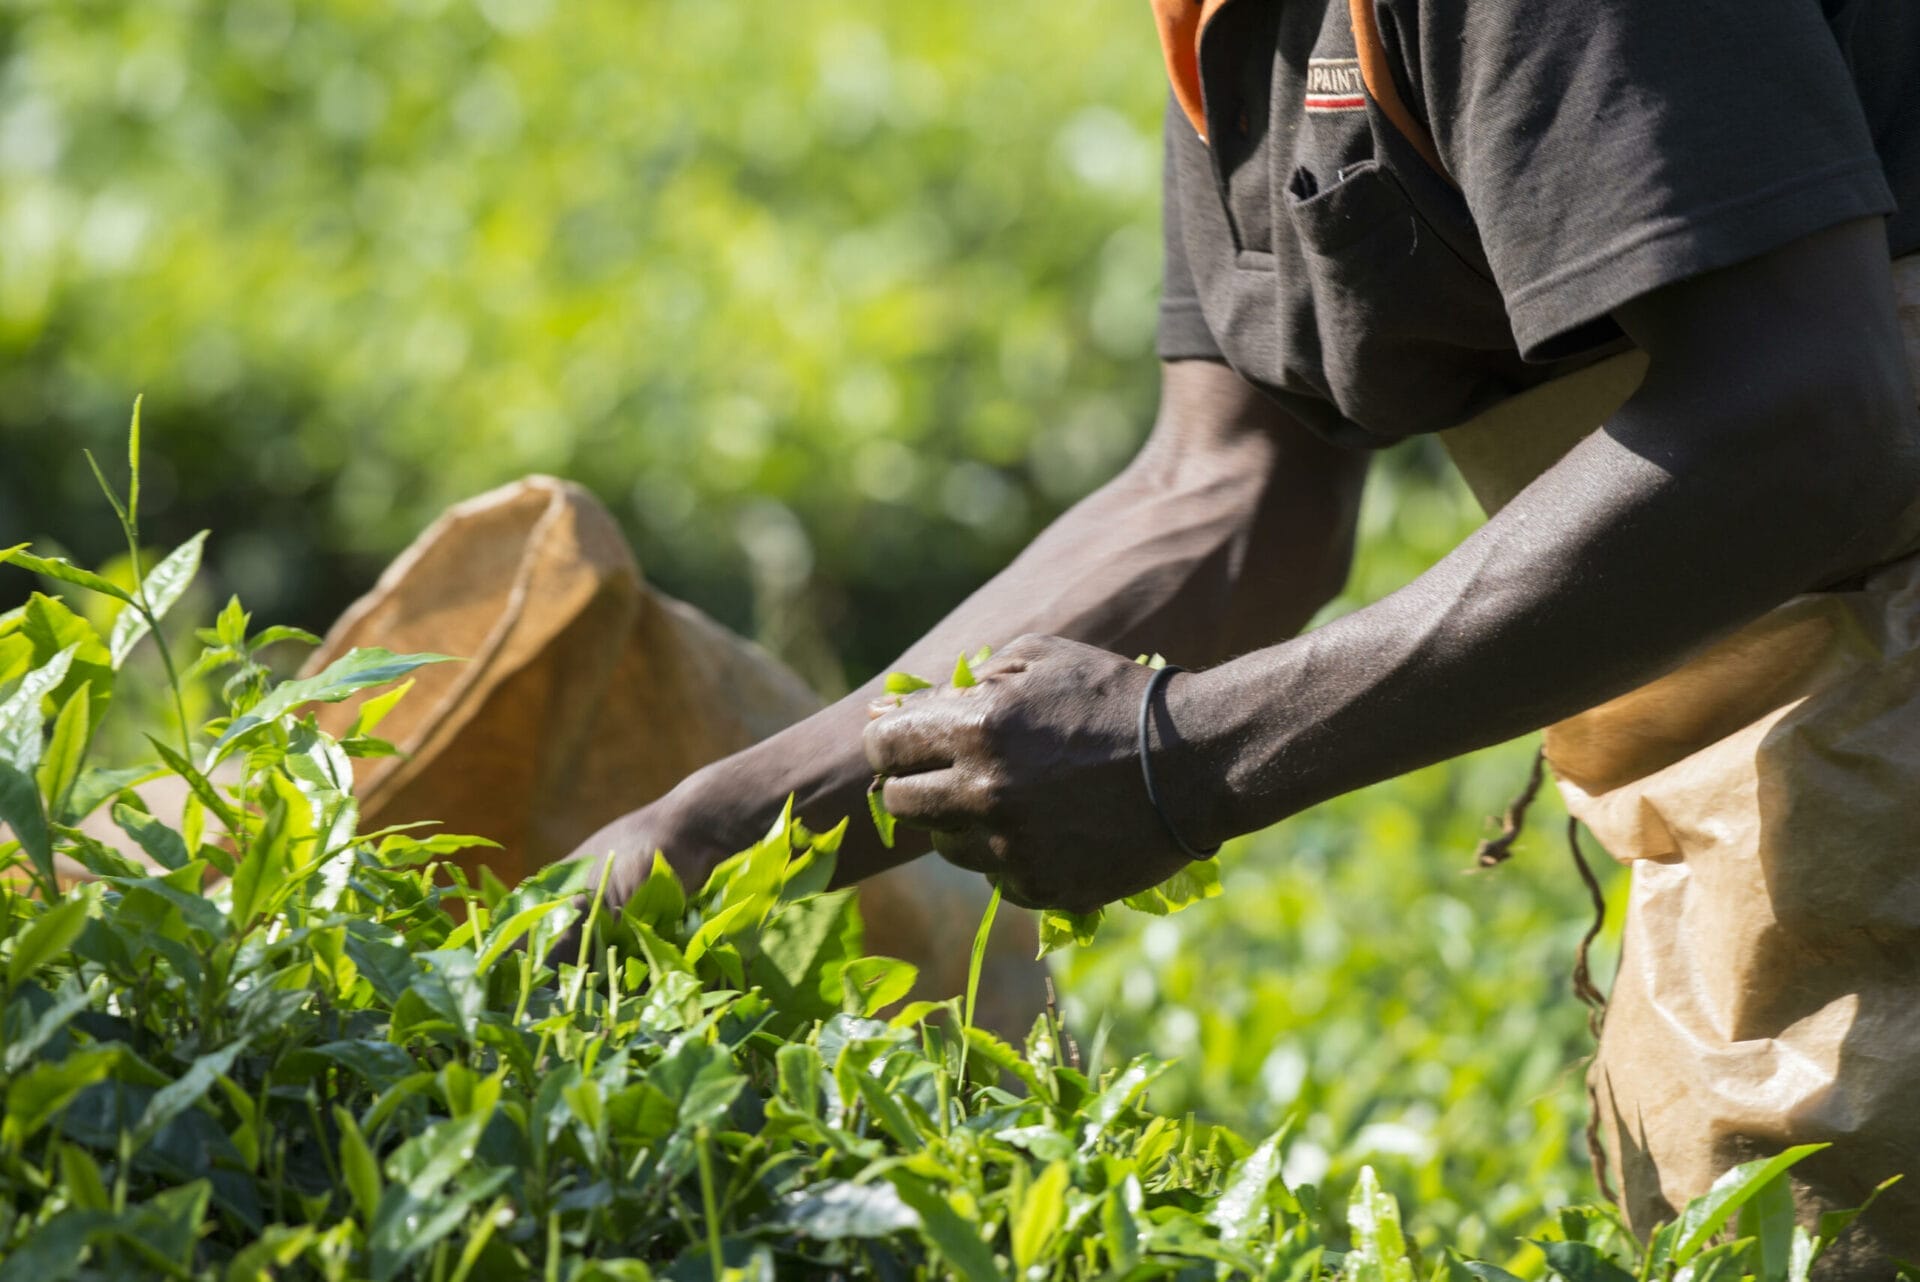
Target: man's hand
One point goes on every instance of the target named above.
(1032, 776)
(629, 842)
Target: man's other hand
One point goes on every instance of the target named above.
(1032, 775)
(624, 851)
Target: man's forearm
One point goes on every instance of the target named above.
(1227, 532)
(1708, 500)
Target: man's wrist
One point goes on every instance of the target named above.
(1188, 752)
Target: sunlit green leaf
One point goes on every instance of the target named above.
(353, 672)
(160, 591)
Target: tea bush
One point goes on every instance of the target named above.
(279, 1047)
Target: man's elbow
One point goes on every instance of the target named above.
(1838, 458)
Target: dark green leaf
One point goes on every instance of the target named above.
(20, 810)
(1581, 1262)
(162, 844)
(178, 1096)
(53, 1251)
(72, 999)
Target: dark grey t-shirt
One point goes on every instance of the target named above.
(1602, 149)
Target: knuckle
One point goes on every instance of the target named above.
(1025, 644)
(993, 794)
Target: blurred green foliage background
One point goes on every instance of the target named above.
(834, 303)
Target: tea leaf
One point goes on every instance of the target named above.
(353, 672)
(97, 783)
(950, 1234)
(874, 983)
(65, 571)
(1039, 1216)
(201, 787)
(1379, 1246)
(21, 716)
(837, 1209)
(66, 750)
(883, 820)
(56, 1248)
(357, 1165)
(45, 1088)
(71, 1000)
(1059, 929)
(133, 466)
(375, 710)
(1705, 1216)
(20, 810)
(160, 590)
(279, 633)
(1581, 1262)
(49, 936)
(177, 1097)
(1241, 1212)
(268, 859)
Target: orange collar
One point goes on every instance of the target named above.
(1180, 23)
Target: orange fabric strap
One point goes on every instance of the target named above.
(1180, 23)
(1377, 71)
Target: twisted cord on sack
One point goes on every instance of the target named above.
(1495, 851)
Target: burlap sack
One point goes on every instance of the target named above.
(1767, 798)
(586, 694)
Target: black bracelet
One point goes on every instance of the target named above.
(1146, 764)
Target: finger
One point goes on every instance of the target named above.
(968, 848)
(938, 799)
(909, 740)
(1018, 897)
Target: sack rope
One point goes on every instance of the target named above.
(1495, 851)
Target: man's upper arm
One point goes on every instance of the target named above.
(1608, 148)
(1790, 365)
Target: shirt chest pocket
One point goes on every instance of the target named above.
(1412, 337)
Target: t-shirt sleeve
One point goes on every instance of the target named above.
(1183, 332)
(1609, 147)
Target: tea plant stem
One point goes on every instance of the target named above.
(711, 1204)
(586, 937)
(145, 605)
(553, 1247)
